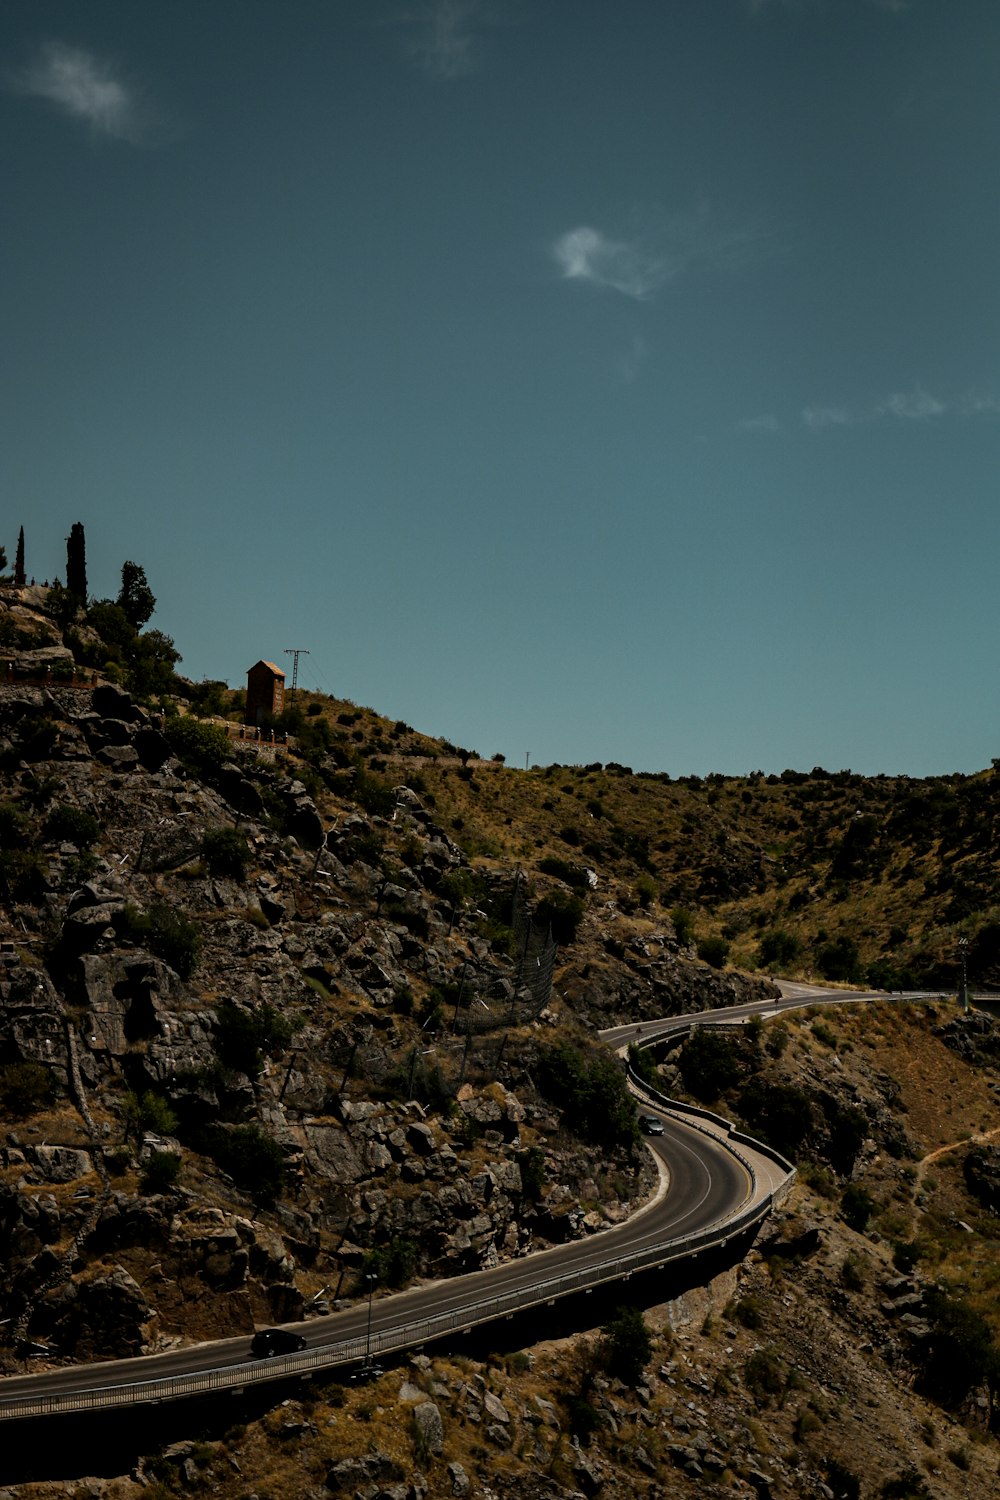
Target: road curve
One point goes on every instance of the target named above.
(710, 1194)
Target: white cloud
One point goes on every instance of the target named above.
(816, 418)
(914, 406)
(655, 247)
(445, 39)
(979, 404)
(585, 254)
(764, 423)
(83, 86)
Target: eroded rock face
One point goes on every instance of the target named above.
(94, 1318)
(131, 998)
(982, 1175)
(31, 1019)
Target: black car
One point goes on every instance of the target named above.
(650, 1125)
(270, 1341)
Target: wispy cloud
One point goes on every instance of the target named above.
(586, 254)
(978, 404)
(84, 87)
(764, 423)
(445, 36)
(913, 406)
(816, 418)
(655, 248)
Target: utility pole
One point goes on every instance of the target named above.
(295, 652)
(963, 994)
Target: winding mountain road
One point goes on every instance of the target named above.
(710, 1189)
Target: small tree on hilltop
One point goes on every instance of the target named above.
(76, 563)
(135, 599)
(19, 561)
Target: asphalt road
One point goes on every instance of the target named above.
(706, 1184)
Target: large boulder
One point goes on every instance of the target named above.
(114, 703)
(96, 1319)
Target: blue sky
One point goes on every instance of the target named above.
(576, 381)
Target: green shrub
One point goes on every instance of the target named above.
(562, 912)
(15, 828)
(392, 1264)
(765, 1373)
(777, 1039)
(683, 924)
(403, 1002)
(852, 1273)
(750, 1312)
(592, 1093)
(24, 875)
(842, 1481)
(848, 1130)
(148, 1111)
(209, 700)
(778, 949)
(856, 1207)
(243, 1037)
(714, 951)
(166, 933)
(226, 853)
(906, 1255)
(25, 1088)
(532, 1164)
(582, 1418)
(627, 1346)
(253, 1159)
(780, 1112)
(373, 794)
(201, 748)
(71, 825)
(562, 869)
(905, 1486)
(839, 959)
(644, 1064)
(160, 1172)
(36, 739)
(709, 1064)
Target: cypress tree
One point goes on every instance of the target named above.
(76, 563)
(19, 561)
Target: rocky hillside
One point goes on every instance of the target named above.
(278, 1013)
(844, 1356)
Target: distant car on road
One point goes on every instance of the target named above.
(271, 1341)
(650, 1125)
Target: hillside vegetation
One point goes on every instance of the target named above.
(280, 1014)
